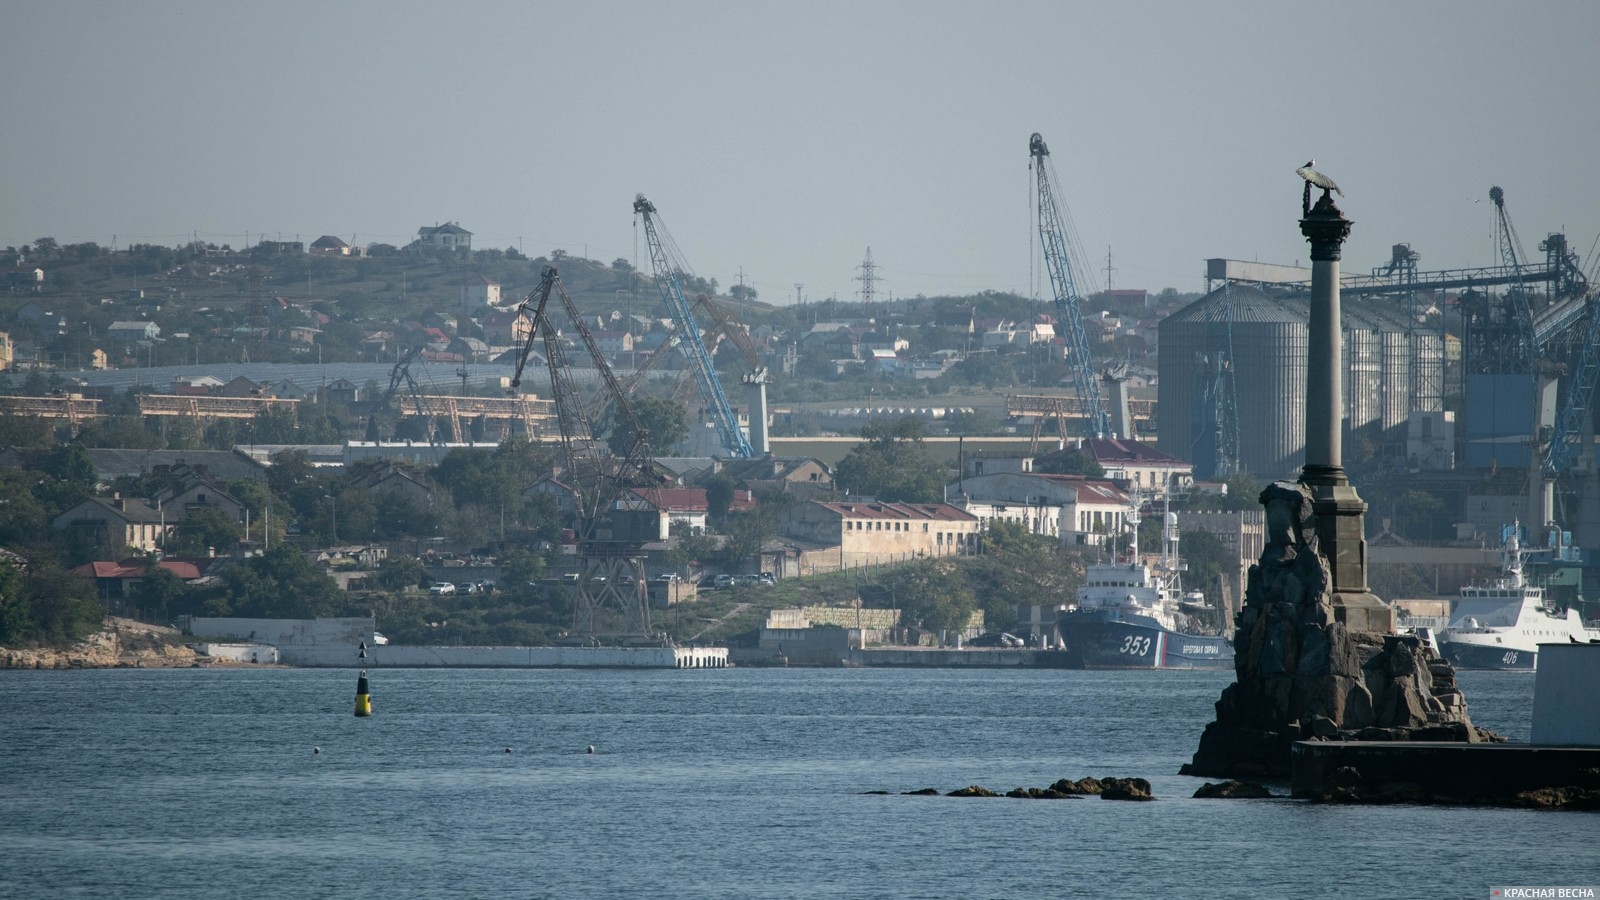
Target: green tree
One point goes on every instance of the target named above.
(161, 594)
(1418, 515)
(61, 607)
(203, 531)
(1243, 493)
(1071, 461)
(664, 421)
(746, 532)
(25, 431)
(931, 594)
(276, 424)
(23, 519)
(396, 573)
(1016, 563)
(15, 622)
(282, 583)
(1207, 559)
(719, 497)
(893, 465)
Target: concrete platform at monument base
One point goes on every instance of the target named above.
(1564, 753)
(1447, 772)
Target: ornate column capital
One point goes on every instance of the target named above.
(1326, 228)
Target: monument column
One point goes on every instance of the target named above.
(1340, 511)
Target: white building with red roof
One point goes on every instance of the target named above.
(685, 509)
(1073, 509)
(873, 533)
(1141, 466)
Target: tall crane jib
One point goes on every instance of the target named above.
(1069, 305)
(669, 271)
(609, 558)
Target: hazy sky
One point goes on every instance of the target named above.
(787, 138)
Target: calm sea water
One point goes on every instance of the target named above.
(706, 783)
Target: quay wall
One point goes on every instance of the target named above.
(983, 658)
(392, 656)
(335, 643)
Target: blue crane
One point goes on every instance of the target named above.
(1570, 282)
(669, 271)
(1053, 237)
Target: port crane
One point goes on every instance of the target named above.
(669, 270)
(1554, 442)
(1521, 309)
(1053, 238)
(610, 561)
(401, 375)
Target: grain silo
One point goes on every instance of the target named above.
(1386, 370)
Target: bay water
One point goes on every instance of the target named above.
(704, 783)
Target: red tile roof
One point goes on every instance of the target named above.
(875, 510)
(135, 568)
(690, 499)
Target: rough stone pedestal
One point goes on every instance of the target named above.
(1304, 671)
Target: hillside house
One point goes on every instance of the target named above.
(114, 522)
(117, 580)
(188, 491)
(133, 332)
(781, 473)
(612, 343)
(331, 245)
(506, 327)
(387, 476)
(684, 509)
(478, 291)
(450, 236)
(342, 390)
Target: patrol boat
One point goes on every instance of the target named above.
(1500, 624)
(1129, 615)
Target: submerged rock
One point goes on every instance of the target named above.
(1125, 789)
(1082, 786)
(1232, 790)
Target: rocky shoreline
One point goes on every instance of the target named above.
(122, 644)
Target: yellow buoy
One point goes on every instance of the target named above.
(363, 699)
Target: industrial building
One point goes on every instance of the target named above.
(1392, 370)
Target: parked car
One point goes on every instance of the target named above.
(767, 578)
(724, 581)
(441, 587)
(665, 578)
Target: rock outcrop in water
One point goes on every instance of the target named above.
(1302, 674)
